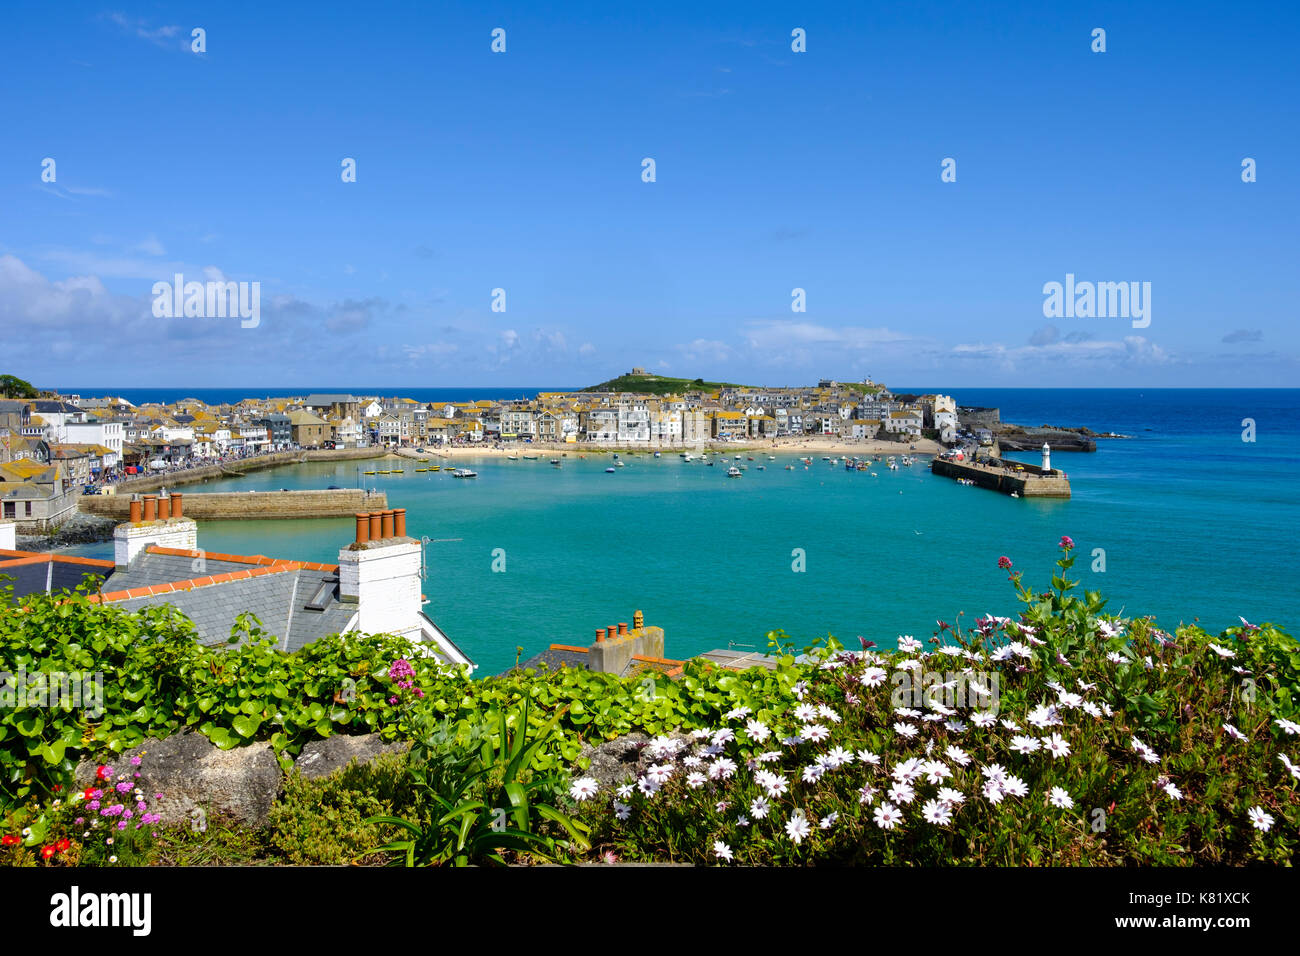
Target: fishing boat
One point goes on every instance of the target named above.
(610, 470)
(733, 472)
(464, 473)
(686, 456)
(422, 461)
(421, 469)
(512, 457)
(620, 464)
(435, 467)
(531, 457)
(555, 462)
(369, 473)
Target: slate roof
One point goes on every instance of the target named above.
(36, 573)
(555, 658)
(278, 598)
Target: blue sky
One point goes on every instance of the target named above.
(775, 170)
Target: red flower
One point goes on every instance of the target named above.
(57, 787)
(47, 852)
(62, 845)
(9, 840)
(1004, 562)
(101, 773)
(88, 793)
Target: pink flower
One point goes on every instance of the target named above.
(135, 761)
(1067, 542)
(1004, 562)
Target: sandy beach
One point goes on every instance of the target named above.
(813, 445)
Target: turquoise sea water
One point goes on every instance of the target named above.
(1195, 524)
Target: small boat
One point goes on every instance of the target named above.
(687, 457)
(610, 470)
(762, 467)
(421, 469)
(620, 464)
(771, 457)
(555, 462)
(733, 472)
(464, 473)
(422, 460)
(789, 467)
(369, 472)
(656, 454)
(512, 457)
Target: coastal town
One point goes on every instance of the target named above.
(57, 447)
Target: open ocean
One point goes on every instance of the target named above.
(1196, 524)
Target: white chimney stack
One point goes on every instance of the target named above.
(380, 573)
(154, 521)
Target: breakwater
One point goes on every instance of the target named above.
(1008, 477)
(252, 505)
(233, 469)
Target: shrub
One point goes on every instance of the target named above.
(324, 822)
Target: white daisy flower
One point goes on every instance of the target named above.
(950, 796)
(722, 851)
(1289, 726)
(1260, 820)
(805, 713)
(737, 713)
(905, 730)
(1014, 786)
(696, 780)
(757, 731)
(937, 813)
(814, 732)
(957, 755)
(866, 794)
(797, 827)
(829, 820)
(829, 714)
(722, 769)
(758, 807)
(1057, 746)
(887, 816)
(867, 757)
(1222, 651)
(1234, 733)
(1060, 798)
(935, 772)
(1024, 745)
(622, 810)
(908, 644)
(901, 793)
(873, 676)
(583, 788)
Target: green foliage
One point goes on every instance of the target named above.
(484, 801)
(11, 386)
(157, 680)
(1153, 774)
(325, 822)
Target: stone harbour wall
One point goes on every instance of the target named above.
(254, 505)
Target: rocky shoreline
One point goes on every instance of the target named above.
(1060, 438)
(78, 529)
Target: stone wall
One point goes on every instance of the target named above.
(151, 483)
(1032, 483)
(237, 505)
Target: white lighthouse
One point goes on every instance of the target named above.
(1047, 457)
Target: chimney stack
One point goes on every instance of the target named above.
(600, 634)
(177, 507)
(150, 507)
(136, 511)
(379, 573)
